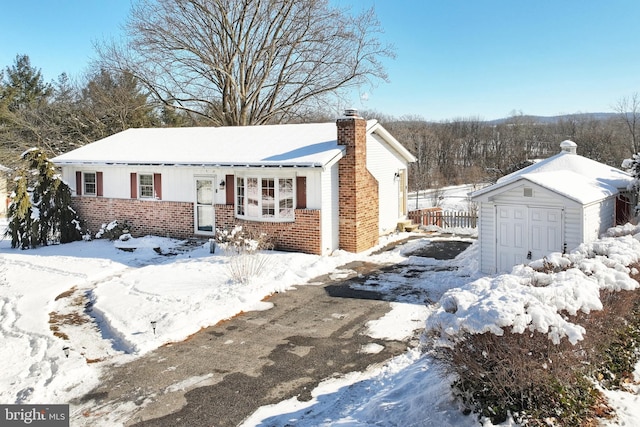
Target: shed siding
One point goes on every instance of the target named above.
(598, 217)
(384, 163)
(486, 237)
(573, 227)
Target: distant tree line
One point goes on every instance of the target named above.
(471, 150)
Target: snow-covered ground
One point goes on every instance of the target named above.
(45, 292)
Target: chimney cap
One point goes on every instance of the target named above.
(568, 146)
(351, 112)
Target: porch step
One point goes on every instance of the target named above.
(407, 225)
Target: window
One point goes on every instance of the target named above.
(265, 198)
(90, 182)
(285, 190)
(268, 198)
(240, 196)
(146, 186)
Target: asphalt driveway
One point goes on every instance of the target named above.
(223, 373)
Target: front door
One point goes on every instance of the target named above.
(205, 216)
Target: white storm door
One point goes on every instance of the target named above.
(402, 198)
(205, 215)
(546, 231)
(511, 238)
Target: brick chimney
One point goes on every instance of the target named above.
(358, 189)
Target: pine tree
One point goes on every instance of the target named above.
(632, 166)
(40, 212)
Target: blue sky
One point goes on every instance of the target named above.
(455, 58)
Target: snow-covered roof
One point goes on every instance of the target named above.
(572, 185)
(301, 145)
(569, 174)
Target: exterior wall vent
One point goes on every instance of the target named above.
(528, 192)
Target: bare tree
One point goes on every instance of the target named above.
(244, 62)
(629, 110)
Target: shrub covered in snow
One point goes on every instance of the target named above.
(243, 245)
(530, 343)
(115, 230)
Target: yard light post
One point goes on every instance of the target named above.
(153, 325)
(66, 351)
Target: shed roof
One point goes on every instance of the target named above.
(301, 145)
(569, 174)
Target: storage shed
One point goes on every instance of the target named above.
(553, 205)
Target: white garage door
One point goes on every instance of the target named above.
(546, 231)
(526, 233)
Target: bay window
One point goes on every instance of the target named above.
(267, 198)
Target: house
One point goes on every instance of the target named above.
(553, 205)
(312, 188)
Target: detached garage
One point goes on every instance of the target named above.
(553, 205)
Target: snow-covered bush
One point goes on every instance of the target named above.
(243, 246)
(242, 240)
(115, 230)
(533, 343)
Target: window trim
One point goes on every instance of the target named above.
(242, 198)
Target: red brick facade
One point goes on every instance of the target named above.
(303, 235)
(358, 189)
(175, 219)
(146, 217)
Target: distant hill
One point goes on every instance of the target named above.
(555, 119)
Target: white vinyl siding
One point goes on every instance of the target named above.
(330, 209)
(598, 217)
(486, 237)
(177, 181)
(383, 163)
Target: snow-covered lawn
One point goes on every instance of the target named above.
(46, 293)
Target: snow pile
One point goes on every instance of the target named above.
(535, 301)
